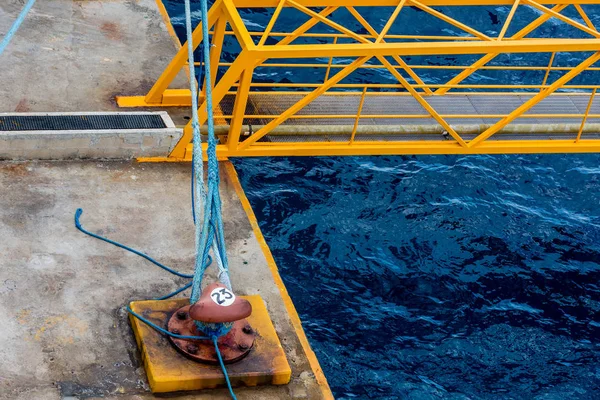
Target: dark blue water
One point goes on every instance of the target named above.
(440, 277)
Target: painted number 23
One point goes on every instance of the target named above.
(222, 296)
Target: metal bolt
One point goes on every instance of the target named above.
(243, 346)
(247, 329)
(176, 331)
(192, 348)
(182, 315)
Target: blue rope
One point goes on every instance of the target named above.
(162, 330)
(122, 246)
(212, 205)
(212, 224)
(223, 368)
(15, 26)
(200, 78)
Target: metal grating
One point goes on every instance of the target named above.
(12, 123)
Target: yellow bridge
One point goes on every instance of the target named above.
(416, 114)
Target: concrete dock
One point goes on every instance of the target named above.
(78, 55)
(65, 331)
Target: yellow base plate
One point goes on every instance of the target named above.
(169, 371)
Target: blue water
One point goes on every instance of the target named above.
(440, 277)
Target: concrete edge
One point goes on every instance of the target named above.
(120, 144)
(287, 300)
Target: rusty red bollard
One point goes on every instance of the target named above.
(217, 305)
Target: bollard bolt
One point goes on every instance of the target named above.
(192, 348)
(243, 346)
(176, 331)
(182, 315)
(247, 329)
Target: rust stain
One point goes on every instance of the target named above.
(23, 106)
(111, 31)
(19, 169)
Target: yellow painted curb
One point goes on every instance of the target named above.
(289, 305)
(170, 371)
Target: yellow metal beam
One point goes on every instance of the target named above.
(561, 17)
(422, 49)
(239, 109)
(221, 89)
(399, 60)
(511, 14)
(393, 3)
(361, 148)
(585, 17)
(449, 20)
(423, 102)
(390, 21)
(216, 49)
(271, 23)
(304, 102)
(489, 57)
(237, 24)
(585, 117)
(534, 100)
(154, 96)
(328, 22)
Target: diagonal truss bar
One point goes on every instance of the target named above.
(548, 69)
(489, 57)
(269, 27)
(156, 92)
(302, 29)
(399, 60)
(221, 88)
(449, 20)
(422, 101)
(328, 22)
(585, 17)
(585, 116)
(238, 25)
(216, 50)
(511, 14)
(561, 17)
(390, 21)
(299, 31)
(535, 99)
(303, 102)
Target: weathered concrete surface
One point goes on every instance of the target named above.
(83, 144)
(64, 331)
(76, 55)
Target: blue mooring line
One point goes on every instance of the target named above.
(152, 260)
(15, 26)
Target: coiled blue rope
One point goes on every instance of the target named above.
(15, 26)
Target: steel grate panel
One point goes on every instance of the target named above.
(13, 123)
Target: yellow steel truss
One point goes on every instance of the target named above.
(382, 51)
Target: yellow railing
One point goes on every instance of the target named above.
(336, 115)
